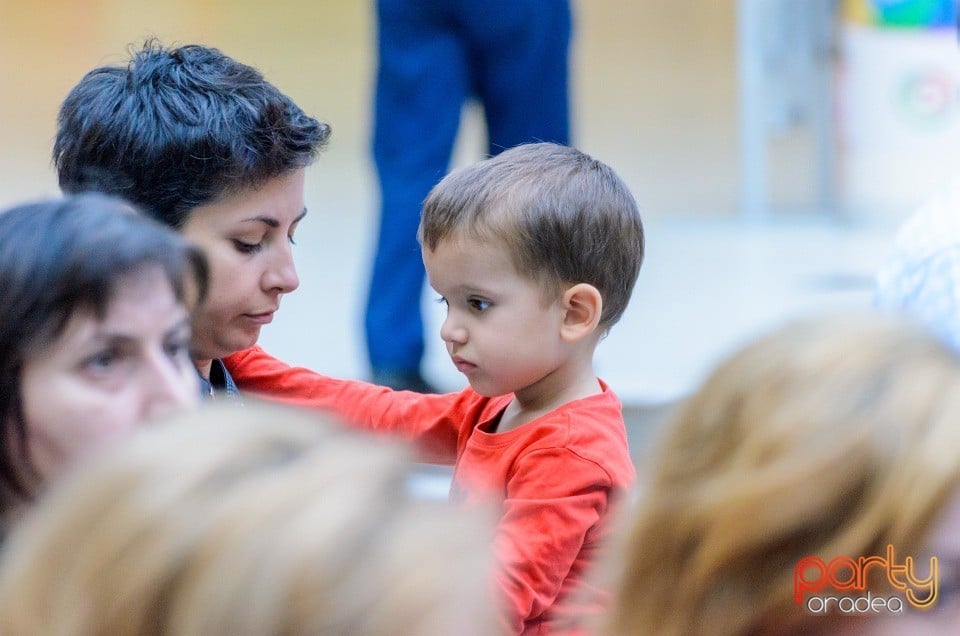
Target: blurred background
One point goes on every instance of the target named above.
(773, 145)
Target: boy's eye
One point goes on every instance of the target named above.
(246, 248)
(290, 238)
(478, 304)
(442, 300)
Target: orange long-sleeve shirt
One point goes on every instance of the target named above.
(557, 479)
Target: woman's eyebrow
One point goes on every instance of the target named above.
(113, 335)
(272, 222)
(267, 220)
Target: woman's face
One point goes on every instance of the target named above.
(102, 378)
(247, 237)
(943, 617)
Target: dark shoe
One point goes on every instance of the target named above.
(403, 381)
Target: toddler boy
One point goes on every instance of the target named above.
(534, 253)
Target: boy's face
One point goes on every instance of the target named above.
(500, 331)
(247, 237)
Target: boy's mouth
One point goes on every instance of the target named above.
(463, 366)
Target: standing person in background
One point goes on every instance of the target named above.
(512, 55)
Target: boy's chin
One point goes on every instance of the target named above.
(487, 389)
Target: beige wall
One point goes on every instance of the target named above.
(315, 51)
(656, 90)
(655, 87)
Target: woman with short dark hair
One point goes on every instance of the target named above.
(206, 145)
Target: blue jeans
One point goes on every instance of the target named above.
(512, 55)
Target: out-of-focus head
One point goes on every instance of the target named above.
(255, 520)
(832, 437)
(94, 331)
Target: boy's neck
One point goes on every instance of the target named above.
(572, 381)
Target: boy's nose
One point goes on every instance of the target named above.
(451, 331)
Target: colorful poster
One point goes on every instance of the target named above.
(898, 115)
(902, 14)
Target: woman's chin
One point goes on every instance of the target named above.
(224, 347)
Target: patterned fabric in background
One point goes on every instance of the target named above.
(921, 275)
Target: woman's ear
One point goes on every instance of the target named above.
(582, 305)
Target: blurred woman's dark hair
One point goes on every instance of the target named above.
(62, 257)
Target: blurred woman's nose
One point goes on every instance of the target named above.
(168, 386)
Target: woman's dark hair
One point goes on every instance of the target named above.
(62, 257)
(179, 127)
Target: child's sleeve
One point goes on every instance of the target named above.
(553, 500)
(432, 421)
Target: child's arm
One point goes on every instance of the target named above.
(433, 421)
(553, 500)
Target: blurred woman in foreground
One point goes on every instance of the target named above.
(246, 521)
(94, 332)
(830, 441)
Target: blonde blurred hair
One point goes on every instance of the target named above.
(833, 436)
(245, 521)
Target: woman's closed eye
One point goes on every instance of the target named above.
(247, 248)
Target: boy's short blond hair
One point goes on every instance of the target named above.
(245, 521)
(565, 218)
(834, 436)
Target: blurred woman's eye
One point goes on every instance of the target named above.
(177, 347)
(102, 360)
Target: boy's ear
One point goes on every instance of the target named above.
(582, 305)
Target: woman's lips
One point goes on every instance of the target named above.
(261, 319)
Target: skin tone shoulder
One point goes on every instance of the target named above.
(102, 378)
(248, 238)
